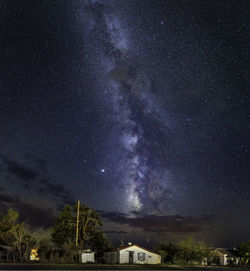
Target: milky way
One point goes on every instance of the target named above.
(127, 90)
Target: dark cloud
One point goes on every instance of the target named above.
(36, 215)
(41, 162)
(53, 188)
(118, 74)
(115, 232)
(5, 198)
(20, 171)
(35, 173)
(56, 190)
(152, 223)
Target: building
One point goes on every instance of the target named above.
(222, 256)
(86, 256)
(6, 253)
(133, 254)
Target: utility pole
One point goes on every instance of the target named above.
(77, 222)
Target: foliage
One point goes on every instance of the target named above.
(185, 252)
(89, 219)
(64, 229)
(190, 252)
(44, 244)
(99, 243)
(17, 235)
(168, 252)
(243, 251)
(21, 238)
(69, 252)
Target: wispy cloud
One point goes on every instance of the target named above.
(31, 179)
(36, 215)
(20, 171)
(153, 223)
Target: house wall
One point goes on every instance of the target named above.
(223, 259)
(4, 256)
(87, 258)
(140, 256)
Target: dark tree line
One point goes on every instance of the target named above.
(243, 252)
(190, 252)
(63, 232)
(57, 243)
(184, 252)
(17, 235)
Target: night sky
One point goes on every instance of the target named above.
(138, 108)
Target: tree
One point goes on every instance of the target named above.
(189, 251)
(44, 249)
(99, 243)
(17, 235)
(64, 229)
(169, 252)
(89, 219)
(243, 251)
(44, 244)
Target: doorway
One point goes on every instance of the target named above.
(131, 257)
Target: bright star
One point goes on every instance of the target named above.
(102, 170)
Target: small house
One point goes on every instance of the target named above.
(6, 253)
(221, 256)
(132, 254)
(85, 256)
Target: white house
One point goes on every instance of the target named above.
(86, 256)
(223, 256)
(133, 254)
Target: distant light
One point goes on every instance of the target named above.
(102, 170)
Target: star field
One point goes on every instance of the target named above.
(140, 109)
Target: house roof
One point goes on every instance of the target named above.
(225, 251)
(6, 248)
(84, 251)
(220, 251)
(135, 245)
